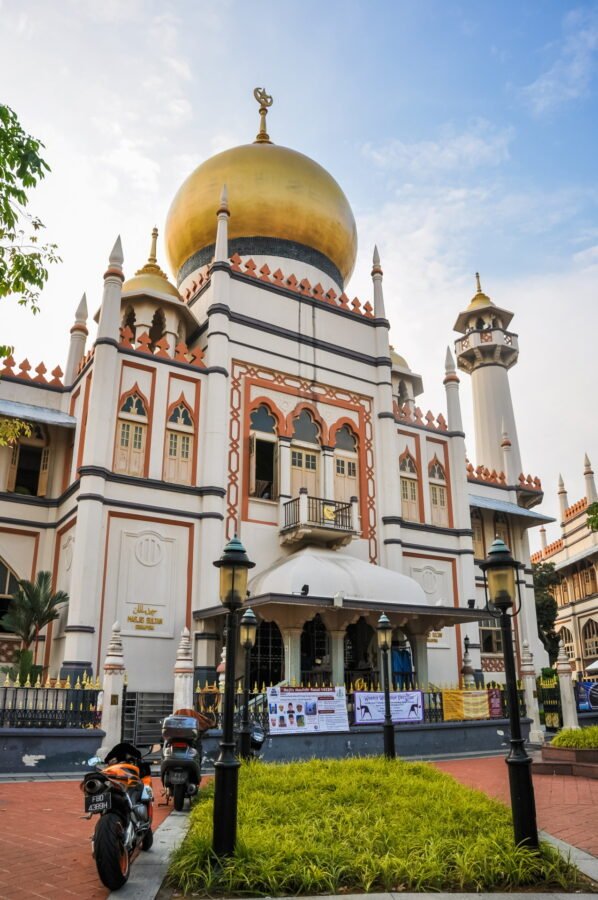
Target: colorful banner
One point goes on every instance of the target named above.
(405, 706)
(302, 710)
(462, 705)
(586, 696)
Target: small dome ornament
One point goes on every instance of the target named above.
(265, 101)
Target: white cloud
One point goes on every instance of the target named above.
(570, 75)
(587, 258)
(480, 145)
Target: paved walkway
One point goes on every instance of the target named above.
(565, 805)
(45, 851)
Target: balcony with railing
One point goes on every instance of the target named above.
(310, 520)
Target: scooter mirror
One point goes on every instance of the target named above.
(94, 761)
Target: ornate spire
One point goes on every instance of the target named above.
(223, 213)
(379, 309)
(152, 258)
(81, 311)
(478, 283)
(116, 257)
(265, 101)
(151, 267)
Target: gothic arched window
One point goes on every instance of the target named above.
(567, 638)
(409, 487)
(178, 458)
(305, 459)
(346, 482)
(263, 454)
(589, 636)
(131, 435)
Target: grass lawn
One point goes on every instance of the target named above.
(354, 825)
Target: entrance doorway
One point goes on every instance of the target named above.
(361, 655)
(267, 656)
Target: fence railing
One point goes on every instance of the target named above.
(53, 705)
(446, 704)
(329, 513)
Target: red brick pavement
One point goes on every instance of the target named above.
(45, 850)
(566, 805)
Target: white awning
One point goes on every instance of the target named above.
(29, 413)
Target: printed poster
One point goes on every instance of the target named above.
(586, 695)
(307, 710)
(405, 706)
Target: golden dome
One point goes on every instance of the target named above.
(150, 279)
(398, 360)
(275, 194)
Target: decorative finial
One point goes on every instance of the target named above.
(449, 362)
(561, 484)
(587, 465)
(116, 257)
(81, 311)
(265, 101)
(152, 258)
(376, 256)
(478, 283)
(223, 206)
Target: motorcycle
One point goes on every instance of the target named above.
(180, 769)
(120, 792)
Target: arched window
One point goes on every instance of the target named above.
(438, 493)
(263, 454)
(477, 526)
(178, 457)
(131, 435)
(129, 319)
(588, 575)
(501, 529)
(305, 459)
(590, 639)
(29, 463)
(267, 655)
(346, 483)
(157, 328)
(479, 323)
(567, 638)
(315, 652)
(409, 487)
(8, 586)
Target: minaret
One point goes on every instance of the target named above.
(588, 474)
(486, 352)
(77, 343)
(563, 499)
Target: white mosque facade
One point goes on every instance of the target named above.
(256, 398)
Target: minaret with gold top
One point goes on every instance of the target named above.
(486, 352)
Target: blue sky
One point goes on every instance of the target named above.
(464, 135)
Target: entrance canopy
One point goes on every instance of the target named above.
(320, 579)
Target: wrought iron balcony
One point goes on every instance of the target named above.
(308, 519)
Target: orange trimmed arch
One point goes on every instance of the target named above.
(274, 411)
(311, 409)
(130, 393)
(180, 402)
(340, 423)
(407, 455)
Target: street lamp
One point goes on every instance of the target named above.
(499, 567)
(248, 629)
(234, 565)
(384, 632)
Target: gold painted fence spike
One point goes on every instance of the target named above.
(7, 680)
(265, 101)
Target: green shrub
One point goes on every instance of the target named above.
(577, 738)
(330, 826)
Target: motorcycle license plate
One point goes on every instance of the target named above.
(98, 803)
(178, 777)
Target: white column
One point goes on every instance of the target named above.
(420, 658)
(292, 654)
(183, 674)
(77, 343)
(563, 499)
(588, 474)
(113, 684)
(303, 506)
(528, 677)
(328, 473)
(569, 710)
(337, 648)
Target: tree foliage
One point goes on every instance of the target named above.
(33, 606)
(593, 516)
(545, 580)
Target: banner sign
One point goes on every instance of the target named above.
(495, 703)
(302, 710)
(586, 696)
(462, 705)
(405, 706)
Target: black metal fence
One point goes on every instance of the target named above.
(49, 707)
(291, 513)
(329, 513)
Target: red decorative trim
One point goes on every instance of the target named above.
(312, 410)
(340, 423)
(274, 411)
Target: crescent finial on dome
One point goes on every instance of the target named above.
(265, 101)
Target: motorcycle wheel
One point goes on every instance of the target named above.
(148, 840)
(179, 793)
(111, 855)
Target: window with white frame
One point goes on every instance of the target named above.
(9, 584)
(590, 639)
(263, 454)
(477, 526)
(345, 465)
(567, 638)
(178, 457)
(305, 455)
(438, 493)
(131, 436)
(29, 463)
(409, 488)
(490, 636)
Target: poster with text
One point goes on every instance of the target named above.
(302, 710)
(405, 706)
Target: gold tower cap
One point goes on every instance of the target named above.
(150, 278)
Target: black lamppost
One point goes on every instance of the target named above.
(248, 631)
(233, 564)
(500, 570)
(384, 631)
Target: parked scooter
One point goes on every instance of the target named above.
(120, 792)
(180, 770)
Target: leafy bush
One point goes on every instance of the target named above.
(577, 738)
(360, 825)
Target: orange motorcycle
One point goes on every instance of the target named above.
(120, 792)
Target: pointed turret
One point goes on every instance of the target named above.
(509, 468)
(223, 213)
(563, 499)
(588, 474)
(79, 334)
(543, 541)
(110, 311)
(451, 386)
(377, 274)
(486, 352)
